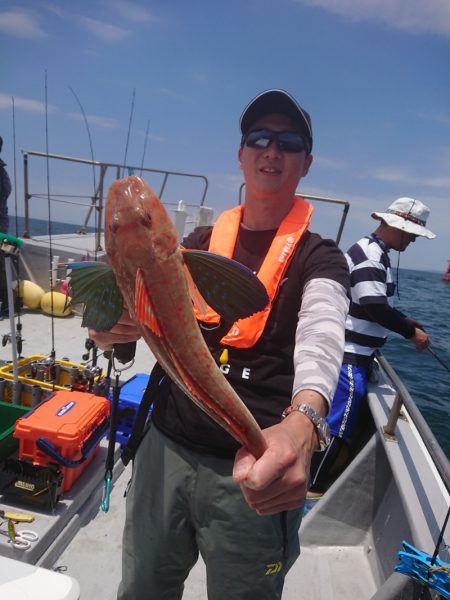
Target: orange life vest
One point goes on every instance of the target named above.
(244, 333)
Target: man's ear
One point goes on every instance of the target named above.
(307, 164)
(239, 157)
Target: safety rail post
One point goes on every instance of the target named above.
(389, 428)
(26, 233)
(436, 452)
(99, 208)
(342, 223)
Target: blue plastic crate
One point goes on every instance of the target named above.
(130, 397)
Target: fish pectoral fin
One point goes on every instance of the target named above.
(143, 305)
(226, 285)
(94, 285)
(197, 299)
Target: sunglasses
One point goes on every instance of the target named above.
(287, 141)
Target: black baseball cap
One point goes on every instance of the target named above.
(276, 101)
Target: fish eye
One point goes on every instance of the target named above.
(113, 227)
(146, 219)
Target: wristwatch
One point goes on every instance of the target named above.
(321, 425)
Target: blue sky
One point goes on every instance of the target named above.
(374, 75)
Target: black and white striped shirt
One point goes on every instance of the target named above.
(371, 283)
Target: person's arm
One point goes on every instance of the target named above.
(320, 337)
(389, 317)
(396, 321)
(278, 480)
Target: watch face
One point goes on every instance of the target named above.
(324, 434)
(320, 423)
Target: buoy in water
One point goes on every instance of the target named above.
(61, 306)
(31, 294)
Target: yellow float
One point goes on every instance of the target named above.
(61, 304)
(31, 294)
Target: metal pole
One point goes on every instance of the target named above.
(16, 383)
(389, 428)
(26, 233)
(101, 184)
(341, 226)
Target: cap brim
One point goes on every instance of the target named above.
(276, 101)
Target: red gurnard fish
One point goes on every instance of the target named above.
(154, 274)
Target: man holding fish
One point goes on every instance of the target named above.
(221, 487)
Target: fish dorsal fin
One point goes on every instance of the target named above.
(227, 286)
(143, 305)
(197, 299)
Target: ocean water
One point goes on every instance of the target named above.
(41, 226)
(424, 297)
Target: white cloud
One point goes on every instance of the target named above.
(403, 175)
(414, 16)
(54, 8)
(330, 163)
(104, 31)
(438, 182)
(104, 122)
(391, 174)
(20, 23)
(131, 11)
(436, 117)
(24, 104)
(174, 95)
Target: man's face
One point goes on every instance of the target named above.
(401, 239)
(271, 171)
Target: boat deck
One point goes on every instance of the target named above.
(349, 539)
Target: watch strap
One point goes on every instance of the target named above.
(321, 425)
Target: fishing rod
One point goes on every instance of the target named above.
(433, 353)
(18, 337)
(14, 164)
(9, 248)
(94, 199)
(433, 559)
(53, 352)
(129, 130)
(145, 146)
(440, 361)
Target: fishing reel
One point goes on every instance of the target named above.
(44, 369)
(90, 345)
(8, 338)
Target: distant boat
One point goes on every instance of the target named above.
(446, 275)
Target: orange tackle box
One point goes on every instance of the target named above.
(66, 430)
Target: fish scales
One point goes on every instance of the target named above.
(143, 251)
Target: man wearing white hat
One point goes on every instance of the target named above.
(369, 320)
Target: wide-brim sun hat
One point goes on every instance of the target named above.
(408, 215)
(277, 101)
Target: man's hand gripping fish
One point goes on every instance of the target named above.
(156, 278)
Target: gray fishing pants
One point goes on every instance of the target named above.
(181, 502)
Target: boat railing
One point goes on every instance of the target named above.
(113, 171)
(403, 398)
(344, 203)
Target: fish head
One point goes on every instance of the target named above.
(137, 225)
